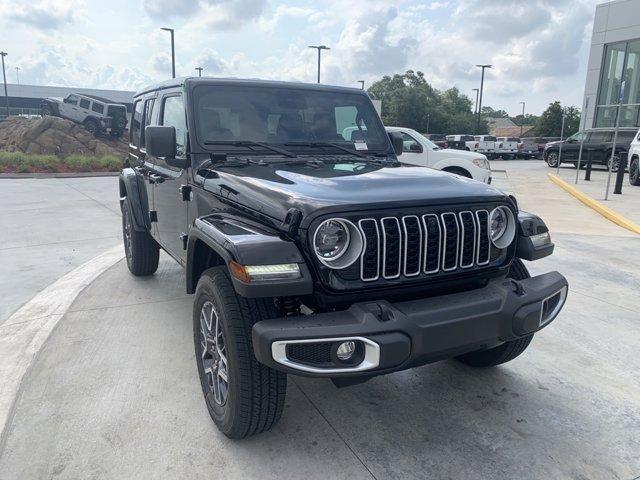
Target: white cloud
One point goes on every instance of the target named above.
(42, 15)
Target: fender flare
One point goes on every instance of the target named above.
(133, 192)
(452, 162)
(232, 240)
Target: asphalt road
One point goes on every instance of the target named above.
(114, 393)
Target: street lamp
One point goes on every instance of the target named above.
(522, 122)
(4, 76)
(361, 82)
(199, 69)
(319, 48)
(17, 75)
(477, 90)
(173, 52)
(483, 67)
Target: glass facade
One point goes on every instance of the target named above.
(619, 84)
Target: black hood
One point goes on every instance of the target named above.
(317, 187)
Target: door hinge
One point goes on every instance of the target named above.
(153, 216)
(185, 193)
(184, 238)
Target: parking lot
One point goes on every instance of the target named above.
(113, 393)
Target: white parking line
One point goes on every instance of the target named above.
(23, 334)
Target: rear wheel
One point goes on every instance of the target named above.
(141, 250)
(508, 350)
(634, 171)
(243, 396)
(616, 162)
(91, 126)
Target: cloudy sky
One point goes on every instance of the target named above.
(539, 47)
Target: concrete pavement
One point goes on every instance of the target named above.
(114, 391)
(49, 227)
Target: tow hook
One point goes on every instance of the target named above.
(517, 287)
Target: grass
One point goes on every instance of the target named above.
(18, 162)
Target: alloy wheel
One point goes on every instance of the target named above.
(213, 354)
(552, 159)
(126, 230)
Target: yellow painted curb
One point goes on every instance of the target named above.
(595, 205)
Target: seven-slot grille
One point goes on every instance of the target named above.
(412, 245)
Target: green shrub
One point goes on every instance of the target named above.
(18, 162)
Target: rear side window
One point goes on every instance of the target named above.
(97, 107)
(173, 115)
(513, 139)
(136, 124)
(467, 138)
(84, 103)
(600, 137)
(626, 136)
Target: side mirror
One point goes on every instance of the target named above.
(396, 141)
(160, 141)
(415, 148)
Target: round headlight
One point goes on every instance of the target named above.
(331, 240)
(337, 243)
(502, 227)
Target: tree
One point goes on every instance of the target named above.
(409, 101)
(550, 122)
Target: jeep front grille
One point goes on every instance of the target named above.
(412, 245)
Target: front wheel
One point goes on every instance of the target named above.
(243, 396)
(508, 350)
(552, 159)
(634, 172)
(46, 111)
(91, 126)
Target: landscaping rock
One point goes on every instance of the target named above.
(57, 136)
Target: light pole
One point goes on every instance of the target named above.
(522, 122)
(17, 75)
(4, 76)
(428, 119)
(173, 52)
(481, 87)
(319, 48)
(361, 82)
(477, 90)
(199, 69)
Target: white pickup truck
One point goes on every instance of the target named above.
(507, 147)
(420, 151)
(485, 144)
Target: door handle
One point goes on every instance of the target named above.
(153, 178)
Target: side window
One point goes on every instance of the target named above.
(136, 124)
(147, 117)
(71, 99)
(173, 115)
(84, 103)
(409, 144)
(97, 107)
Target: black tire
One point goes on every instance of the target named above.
(141, 250)
(616, 162)
(46, 111)
(508, 350)
(116, 133)
(253, 399)
(458, 171)
(552, 159)
(91, 126)
(634, 171)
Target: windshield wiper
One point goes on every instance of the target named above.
(249, 143)
(326, 144)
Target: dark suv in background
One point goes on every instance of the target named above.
(597, 142)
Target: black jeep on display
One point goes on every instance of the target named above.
(312, 251)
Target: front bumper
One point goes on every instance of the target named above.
(396, 336)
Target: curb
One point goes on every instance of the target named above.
(24, 333)
(595, 205)
(59, 175)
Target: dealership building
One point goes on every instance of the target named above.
(613, 72)
(25, 99)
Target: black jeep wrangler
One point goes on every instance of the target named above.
(315, 255)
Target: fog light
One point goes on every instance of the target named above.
(346, 350)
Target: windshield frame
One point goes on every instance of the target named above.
(198, 145)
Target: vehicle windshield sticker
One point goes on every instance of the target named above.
(360, 145)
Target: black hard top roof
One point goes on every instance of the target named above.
(248, 82)
(100, 99)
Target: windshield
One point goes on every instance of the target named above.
(287, 117)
